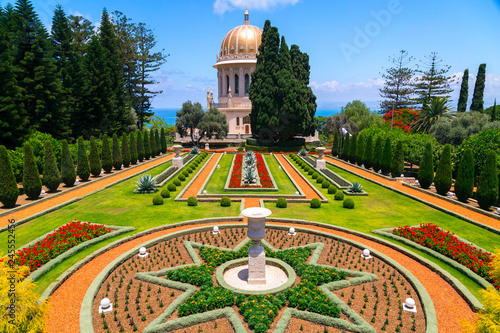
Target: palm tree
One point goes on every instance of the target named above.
(430, 113)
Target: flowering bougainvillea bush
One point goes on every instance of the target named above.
(403, 118)
(61, 240)
(446, 243)
(236, 175)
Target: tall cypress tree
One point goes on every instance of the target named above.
(385, 163)
(163, 139)
(117, 155)
(398, 161)
(494, 115)
(487, 187)
(83, 167)
(152, 143)
(426, 168)
(477, 98)
(95, 161)
(32, 183)
(443, 179)
(157, 142)
(8, 186)
(368, 158)
(352, 149)
(68, 173)
(377, 154)
(125, 151)
(335, 145)
(346, 147)
(464, 184)
(147, 147)
(51, 175)
(360, 149)
(140, 146)
(464, 92)
(133, 148)
(107, 158)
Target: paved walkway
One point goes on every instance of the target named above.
(424, 196)
(195, 186)
(309, 192)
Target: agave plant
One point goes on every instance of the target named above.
(249, 174)
(356, 188)
(195, 150)
(303, 152)
(146, 183)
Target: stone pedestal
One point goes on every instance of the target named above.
(320, 162)
(207, 146)
(256, 265)
(177, 161)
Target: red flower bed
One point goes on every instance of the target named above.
(446, 243)
(265, 179)
(61, 240)
(403, 118)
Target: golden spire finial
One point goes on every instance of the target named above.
(247, 20)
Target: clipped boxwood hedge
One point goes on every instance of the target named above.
(165, 193)
(177, 182)
(225, 202)
(192, 201)
(339, 195)
(320, 180)
(332, 189)
(315, 203)
(325, 184)
(171, 187)
(348, 203)
(158, 200)
(281, 203)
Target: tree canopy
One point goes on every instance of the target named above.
(398, 86)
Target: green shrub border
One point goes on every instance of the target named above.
(318, 192)
(202, 167)
(322, 174)
(228, 179)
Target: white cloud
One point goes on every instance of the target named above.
(337, 87)
(222, 6)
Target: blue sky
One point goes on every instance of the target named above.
(349, 42)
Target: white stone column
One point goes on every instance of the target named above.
(320, 162)
(177, 161)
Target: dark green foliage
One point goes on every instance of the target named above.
(83, 167)
(368, 158)
(495, 115)
(140, 146)
(443, 179)
(315, 175)
(320, 180)
(157, 200)
(433, 80)
(133, 149)
(315, 203)
(346, 147)
(163, 141)
(157, 142)
(335, 145)
(117, 155)
(152, 143)
(385, 163)
(426, 170)
(190, 169)
(348, 203)
(281, 203)
(352, 149)
(171, 187)
(332, 189)
(125, 151)
(188, 119)
(185, 173)
(477, 98)
(225, 202)
(213, 124)
(176, 182)
(398, 161)
(147, 146)
(192, 201)
(480, 144)
(8, 186)
(165, 193)
(360, 150)
(51, 175)
(464, 184)
(68, 173)
(325, 184)
(339, 195)
(107, 159)
(487, 187)
(95, 161)
(181, 178)
(377, 154)
(464, 92)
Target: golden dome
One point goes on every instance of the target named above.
(242, 40)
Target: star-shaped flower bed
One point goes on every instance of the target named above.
(311, 299)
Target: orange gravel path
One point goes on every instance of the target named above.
(66, 302)
(195, 187)
(94, 185)
(424, 196)
(304, 186)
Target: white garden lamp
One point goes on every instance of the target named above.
(143, 253)
(106, 306)
(409, 305)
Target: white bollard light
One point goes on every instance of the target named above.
(204, 191)
(409, 305)
(366, 254)
(292, 232)
(106, 306)
(215, 231)
(297, 193)
(143, 253)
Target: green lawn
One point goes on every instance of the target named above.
(218, 180)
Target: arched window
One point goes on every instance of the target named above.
(236, 84)
(246, 120)
(237, 121)
(247, 83)
(227, 84)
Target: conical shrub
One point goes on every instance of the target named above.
(360, 149)
(443, 179)
(125, 151)
(346, 147)
(426, 168)
(163, 139)
(367, 159)
(352, 148)
(133, 149)
(335, 144)
(117, 154)
(8, 186)
(487, 187)
(398, 161)
(51, 175)
(152, 143)
(83, 167)
(95, 161)
(107, 159)
(32, 184)
(147, 146)
(464, 184)
(140, 146)
(157, 142)
(68, 173)
(385, 163)
(377, 154)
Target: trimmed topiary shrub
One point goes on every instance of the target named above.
(107, 159)
(82, 167)
(368, 158)
(192, 201)
(426, 169)
(177, 182)
(385, 162)
(335, 146)
(157, 142)
(360, 149)
(152, 143)
(95, 161)
(377, 154)
(398, 161)
(487, 187)
(281, 203)
(165, 193)
(189, 169)
(8, 186)
(140, 146)
(348, 203)
(163, 140)
(133, 148)
(315, 175)
(32, 183)
(332, 189)
(171, 187)
(346, 147)
(339, 195)
(310, 171)
(315, 203)
(320, 180)
(125, 151)
(117, 154)
(51, 175)
(181, 178)
(146, 145)
(157, 200)
(68, 173)
(225, 202)
(325, 184)
(353, 145)
(464, 184)
(185, 173)
(443, 179)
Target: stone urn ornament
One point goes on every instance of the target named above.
(177, 161)
(320, 162)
